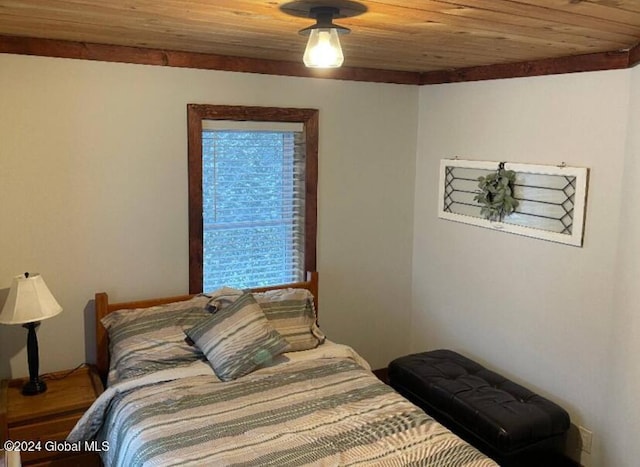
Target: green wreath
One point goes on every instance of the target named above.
(496, 194)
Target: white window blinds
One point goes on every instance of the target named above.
(253, 187)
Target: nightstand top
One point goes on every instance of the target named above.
(72, 393)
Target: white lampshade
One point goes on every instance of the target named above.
(323, 49)
(29, 300)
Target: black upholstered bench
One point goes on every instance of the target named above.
(501, 418)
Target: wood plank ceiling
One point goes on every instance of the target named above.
(418, 36)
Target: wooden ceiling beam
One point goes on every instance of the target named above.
(552, 66)
(634, 56)
(144, 56)
(147, 56)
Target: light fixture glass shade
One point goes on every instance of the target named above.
(29, 300)
(323, 49)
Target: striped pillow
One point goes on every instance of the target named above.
(238, 339)
(150, 339)
(292, 314)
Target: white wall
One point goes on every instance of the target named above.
(93, 190)
(539, 312)
(623, 405)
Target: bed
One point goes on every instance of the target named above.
(174, 398)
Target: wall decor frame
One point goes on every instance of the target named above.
(552, 199)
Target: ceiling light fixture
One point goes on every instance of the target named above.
(323, 47)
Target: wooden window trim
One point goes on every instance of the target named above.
(196, 113)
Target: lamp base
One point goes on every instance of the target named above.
(31, 388)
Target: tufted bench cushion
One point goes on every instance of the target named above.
(498, 416)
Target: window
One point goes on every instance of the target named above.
(253, 190)
(252, 195)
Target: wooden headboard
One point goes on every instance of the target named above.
(103, 308)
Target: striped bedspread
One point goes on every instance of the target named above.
(325, 412)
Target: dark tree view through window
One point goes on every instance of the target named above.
(253, 208)
(253, 176)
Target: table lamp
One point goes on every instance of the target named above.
(28, 303)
